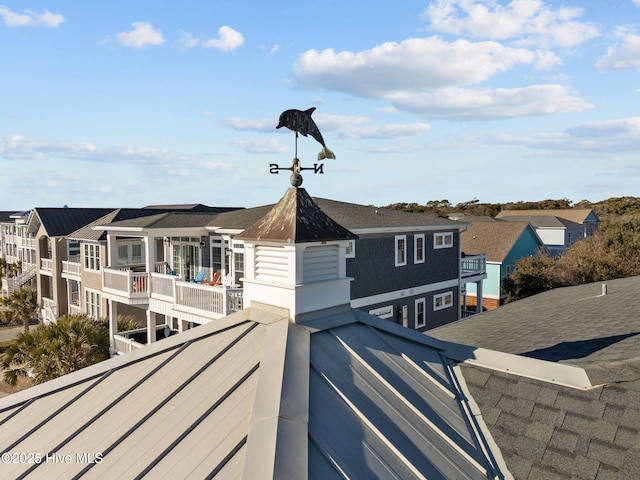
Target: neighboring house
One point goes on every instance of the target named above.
(406, 267)
(301, 385)
(503, 243)
(17, 246)
(50, 228)
(558, 229)
(544, 429)
(296, 385)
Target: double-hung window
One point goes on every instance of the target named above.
(421, 315)
(418, 248)
(401, 250)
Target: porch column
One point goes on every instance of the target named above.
(149, 253)
(479, 296)
(113, 325)
(151, 326)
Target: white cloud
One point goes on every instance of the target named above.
(594, 138)
(386, 131)
(228, 39)
(637, 2)
(525, 22)
(16, 147)
(143, 34)
(624, 55)
(482, 104)
(253, 124)
(416, 64)
(30, 18)
(263, 145)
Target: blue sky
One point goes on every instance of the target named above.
(120, 103)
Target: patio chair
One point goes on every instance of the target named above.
(199, 277)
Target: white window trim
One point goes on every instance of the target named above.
(415, 248)
(444, 237)
(395, 251)
(96, 311)
(442, 296)
(424, 313)
(351, 249)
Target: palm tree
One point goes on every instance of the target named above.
(22, 305)
(74, 342)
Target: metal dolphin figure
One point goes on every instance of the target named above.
(301, 122)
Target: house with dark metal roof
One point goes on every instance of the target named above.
(503, 243)
(558, 229)
(49, 227)
(544, 429)
(296, 385)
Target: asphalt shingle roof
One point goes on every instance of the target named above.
(577, 215)
(550, 431)
(495, 239)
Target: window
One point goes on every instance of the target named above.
(418, 249)
(91, 256)
(216, 254)
(123, 254)
(508, 270)
(136, 253)
(421, 318)
(351, 249)
(401, 250)
(238, 266)
(93, 304)
(443, 240)
(443, 300)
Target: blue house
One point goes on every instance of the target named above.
(504, 243)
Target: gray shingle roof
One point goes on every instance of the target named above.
(549, 431)
(167, 220)
(577, 215)
(543, 221)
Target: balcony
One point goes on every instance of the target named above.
(71, 268)
(137, 288)
(46, 265)
(49, 311)
(473, 266)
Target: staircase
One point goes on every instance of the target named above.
(15, 283)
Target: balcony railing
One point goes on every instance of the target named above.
(197, 299)
(472, 265)
(125, 345)
(71, 266)
(46, 264)
(133, 285)
(49, 312)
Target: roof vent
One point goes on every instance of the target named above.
(604, 289)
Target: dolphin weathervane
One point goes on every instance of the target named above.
(301, 122)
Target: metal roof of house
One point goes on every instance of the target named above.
(60, 222)
(296, 218)
(191, 207)
(254, 395)
(495, 239)
(546, 430)
(577, 215)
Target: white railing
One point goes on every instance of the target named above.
(49, 312)
(46, 264)
(28, 242)
(471, 265)
(125, 345)
(126, 283)
(71, 266)
(191, 297)
(188, 297)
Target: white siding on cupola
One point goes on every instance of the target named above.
(320, 263)
(271, 264)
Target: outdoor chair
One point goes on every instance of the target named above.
(199, 277)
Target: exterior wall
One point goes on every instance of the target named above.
(491, 284)
(376, 275)
(551, 236)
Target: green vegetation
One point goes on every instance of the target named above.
(21, 307)
(49, 351)
(613, 252)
